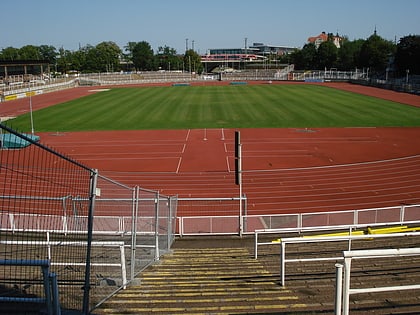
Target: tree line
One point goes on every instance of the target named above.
(107, 57)
(374, 53)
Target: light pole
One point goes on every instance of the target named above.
(407, 72)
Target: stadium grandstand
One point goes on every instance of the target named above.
(24, 69)
(241, 58)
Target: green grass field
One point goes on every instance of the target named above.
(241, 106)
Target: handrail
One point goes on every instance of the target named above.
(350, 228)
(348, 256)
(49, 282)
(348, 238)
(49, 243)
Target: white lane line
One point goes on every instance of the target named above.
(227, 163)
(179, 165)
(188, 135)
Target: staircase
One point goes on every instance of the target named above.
(220, 276)
(204, 281)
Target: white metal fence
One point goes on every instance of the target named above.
(344, 290)
(114, 224)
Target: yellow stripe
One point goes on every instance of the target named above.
(336, 234)
(395, 229)
(10, 97)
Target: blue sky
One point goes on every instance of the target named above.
(210, 24)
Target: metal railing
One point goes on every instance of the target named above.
(344, 290)
(81, 213)
(323, 239)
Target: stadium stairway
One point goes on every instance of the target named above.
(220, 276)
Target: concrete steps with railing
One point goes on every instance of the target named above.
(221, 277)
(204, 281)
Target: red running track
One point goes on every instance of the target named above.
(284, 170)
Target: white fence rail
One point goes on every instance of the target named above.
(218, 224)
(50, 245)
(323, 239)
(346, 291)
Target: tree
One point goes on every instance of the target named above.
(9, 53)
(348, 54)
(142, 56)
(108, 56)
(192, 61)
(78, 59)
(29, 52)
(376, 53)
(93, 60)
(327, 55)
(309, 56)
(167, 58)
(48, 53)
(407, 56)
(129, 49)
(63, 60)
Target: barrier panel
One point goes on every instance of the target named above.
(96, 233)
(34, 182)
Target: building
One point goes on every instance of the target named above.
(259, 49)
(323, 37)
(264, 50)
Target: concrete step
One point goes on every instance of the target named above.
(204, 281)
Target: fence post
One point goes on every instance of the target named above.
(134, 231)
(12, 222)
(123, 267)
(346, 285)
(299, 223)
(169, 226)
(48, 246)
(402, 214)
(338, 288)
(244, 227)
(47, 288)
(256, 245)
(355, 217)
(55, 300)
(92, 198)
(157, 226)
(282, 262)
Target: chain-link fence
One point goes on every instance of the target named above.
(70, 238)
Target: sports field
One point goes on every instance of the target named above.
(238, 106)
(305, 147)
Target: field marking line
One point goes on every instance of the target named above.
(188, 135)
(179, 165)
(183, 148)
(227, 163)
